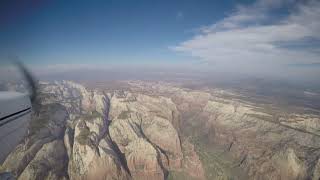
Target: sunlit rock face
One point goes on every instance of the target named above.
(92, 155)
(147, 118)
(268, 146)
(263, 142)
(160, 131)
(49, 162)
(191, 162)
(99, 135)
(75, 97)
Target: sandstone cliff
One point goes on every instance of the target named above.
(77, 133)
(161, 131)
(234, 135)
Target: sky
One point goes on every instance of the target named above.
(269, 37)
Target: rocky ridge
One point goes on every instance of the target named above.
(162, 131)
(100, 135)
(266, 142)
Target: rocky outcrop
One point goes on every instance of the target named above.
(316, 172)
(67, 111)
(49, 163)
(93, 156)
(143, 122)
(75, 97)
(191, 161)
(143, 160)
(77, 133)
(266, 142)
(266, 146)
(160, 132)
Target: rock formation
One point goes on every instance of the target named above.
(161, 131)
(99, 135)
(265, 142)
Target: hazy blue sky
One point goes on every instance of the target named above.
(61, 32)
(264, 36)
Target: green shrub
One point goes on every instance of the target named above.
(83, 136)
(124, 115)
(91, 115)
(175, 175)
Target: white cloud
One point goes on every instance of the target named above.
(251, 36)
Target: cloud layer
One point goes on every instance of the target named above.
(266, 35)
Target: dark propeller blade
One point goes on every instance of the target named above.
(33, 87)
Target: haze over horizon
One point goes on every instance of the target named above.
(263, 38)
(161, 90)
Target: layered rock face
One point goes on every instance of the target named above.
(80, 134)
(92, 155)
(265, 142)
(160, 131)
(269, 146)
(142, 128)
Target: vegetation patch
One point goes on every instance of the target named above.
(161, 116)
(37, 124)
(130, 99)
(83, 136)
(140, 166)
(263, 117)
(91, 115)
(124, 115)
(216, 162)
(179, 175)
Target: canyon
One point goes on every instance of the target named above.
(158, 130)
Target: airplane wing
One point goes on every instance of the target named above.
(15, 112)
